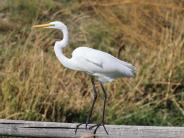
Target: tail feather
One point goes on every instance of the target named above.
(129, 70)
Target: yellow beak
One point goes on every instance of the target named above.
(42, 25)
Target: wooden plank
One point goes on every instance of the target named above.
(66, 130)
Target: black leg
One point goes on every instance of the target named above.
(105, 99)
(93, 103)
(94, 100)
(103, 114)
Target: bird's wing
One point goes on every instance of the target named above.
(88, 56)
(96, 61)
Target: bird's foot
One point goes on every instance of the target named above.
(97, 126)
(77, 127)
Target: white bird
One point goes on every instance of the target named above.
(100, 65)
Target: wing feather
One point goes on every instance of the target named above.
(98, 62)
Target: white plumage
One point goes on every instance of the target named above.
(101, 65)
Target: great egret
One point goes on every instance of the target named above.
(100, 65)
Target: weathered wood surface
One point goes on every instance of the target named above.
(66, 130)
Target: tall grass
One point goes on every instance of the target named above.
(149, 34)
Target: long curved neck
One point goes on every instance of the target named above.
(59, 45)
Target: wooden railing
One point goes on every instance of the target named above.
(66, 130)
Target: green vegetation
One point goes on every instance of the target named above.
(149, 34)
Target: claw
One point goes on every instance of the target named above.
(97, 126)
(77, 127)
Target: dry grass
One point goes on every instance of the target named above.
(149, 34)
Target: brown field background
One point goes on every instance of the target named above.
(147, 33)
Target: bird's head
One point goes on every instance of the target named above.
(60, 26)
(55, 25)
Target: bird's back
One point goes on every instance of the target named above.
(101, 64)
